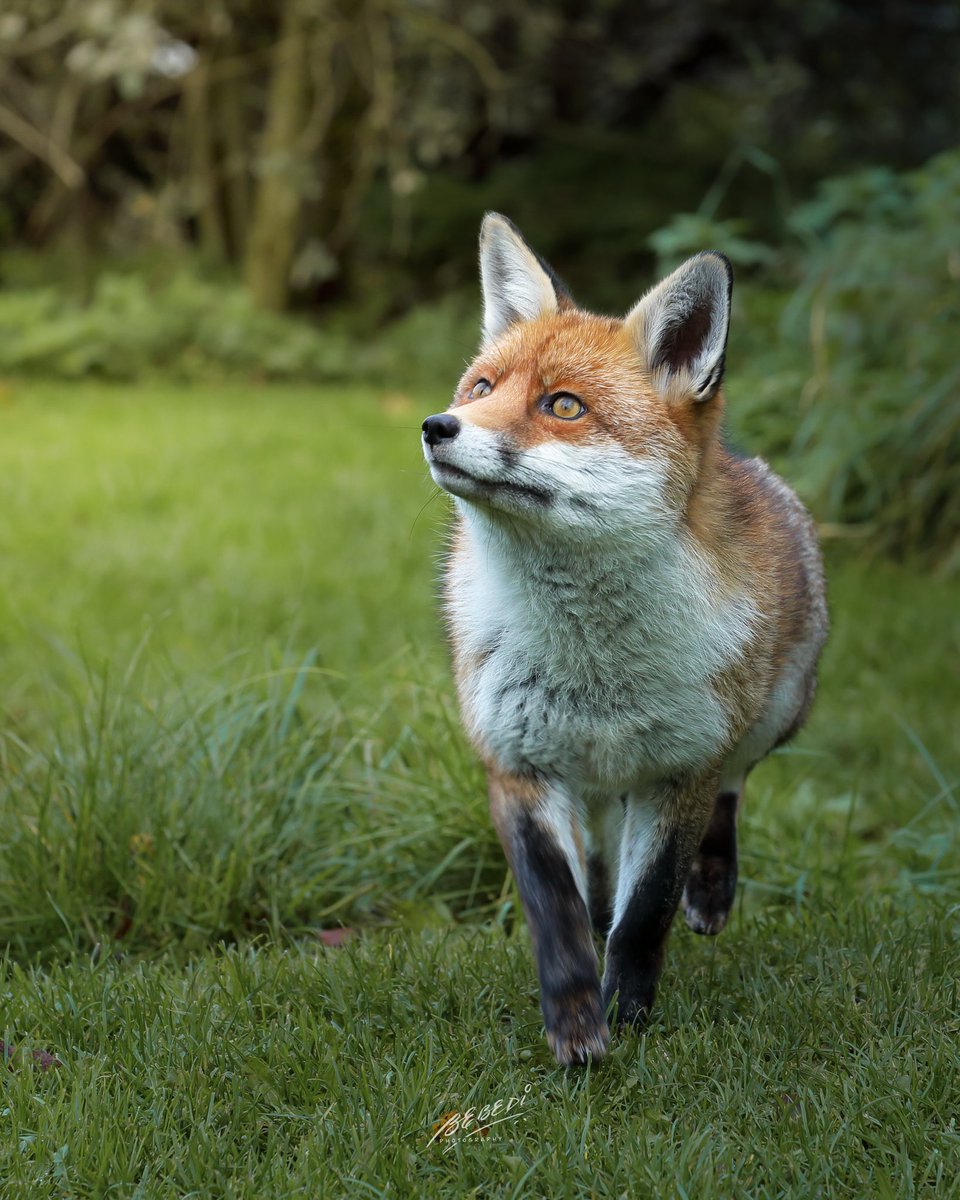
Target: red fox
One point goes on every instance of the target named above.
(635, 614)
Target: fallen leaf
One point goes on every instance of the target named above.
(335, 937)
(43, 1058)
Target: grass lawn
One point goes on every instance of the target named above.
(227, 726)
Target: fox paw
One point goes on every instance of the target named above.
(630, 999)
(708, 896)
(577, 1032)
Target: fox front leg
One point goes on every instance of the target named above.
(661, 832)
(540, 834)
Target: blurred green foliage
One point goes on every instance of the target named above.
(184, 325)
(869, 335)
(842, 370)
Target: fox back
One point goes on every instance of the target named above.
(635, 616)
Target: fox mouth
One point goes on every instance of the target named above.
(477, 484)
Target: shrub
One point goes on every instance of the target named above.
(851, 380)
(879, 305)
(183, 325)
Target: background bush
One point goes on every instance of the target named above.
(842, 368)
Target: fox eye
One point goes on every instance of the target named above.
(483, 387)
(566, 406)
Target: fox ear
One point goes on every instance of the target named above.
(517, 284)
(680, 327)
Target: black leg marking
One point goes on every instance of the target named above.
(637, 942)
(712, 883)
(560, 925)
(601, 912)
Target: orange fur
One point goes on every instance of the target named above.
(735, 517)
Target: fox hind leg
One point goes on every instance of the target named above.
(712, 882)
(599, 901)
(604, 836)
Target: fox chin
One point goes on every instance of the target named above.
(635, 616)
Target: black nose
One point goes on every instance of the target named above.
(441, 428)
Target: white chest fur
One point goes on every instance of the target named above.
(595, 661)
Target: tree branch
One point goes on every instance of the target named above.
(67, 169)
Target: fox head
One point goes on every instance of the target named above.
(583, 424)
